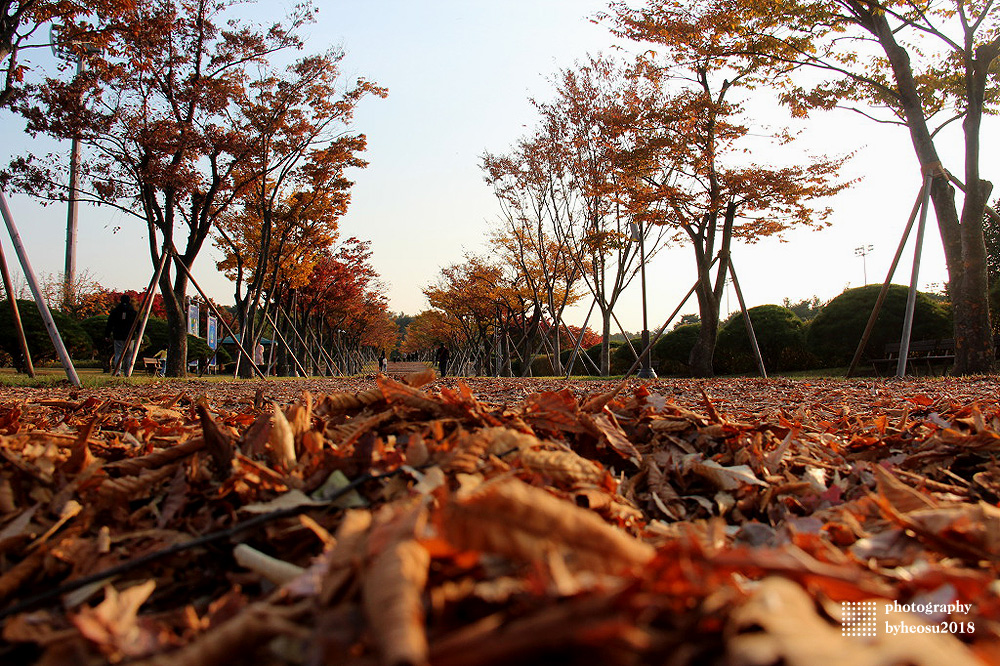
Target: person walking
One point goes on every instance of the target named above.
(442, 359)
(119, 325)
(383, 363)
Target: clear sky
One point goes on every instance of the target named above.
(460, 74)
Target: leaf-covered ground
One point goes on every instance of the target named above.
(493, 521)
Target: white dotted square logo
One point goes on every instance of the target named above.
(858, 618)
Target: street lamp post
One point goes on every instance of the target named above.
(64, 51)
(863, 252)
(646, 369)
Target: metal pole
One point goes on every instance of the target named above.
(139, 325)
(646, 372)
(215, 311)
(746, 320)
(870, 326)
(69, 275)
(911, 297)
(16, 314)
(43, 308)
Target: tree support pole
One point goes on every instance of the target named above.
(16, 314)
(628, 341)
(911, 296)
(746, 320)
(323, 353)
(870, 326)
(218, 315)
(662, 328)
(579, 341)
(274, 325)
(43, 308)
(305, 345)
(139, 325)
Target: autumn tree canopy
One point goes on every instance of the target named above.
(930, 68)
(694, 130)
(286, 216)
(162, 112)
(24, 27)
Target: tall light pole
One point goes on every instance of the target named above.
(863, 252)
(64, 50)
(646, 370)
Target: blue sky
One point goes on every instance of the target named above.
(460, 74)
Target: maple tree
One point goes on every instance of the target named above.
(157, 111)
(426, 331)
(345, 303)
(582, 128)
(478, 299)
(692, 130)
(527, 186)
(921, 66)
(297, 190)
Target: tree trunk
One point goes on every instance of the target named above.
(964, 248)
(701, 359)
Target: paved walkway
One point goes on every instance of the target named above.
(406, 368)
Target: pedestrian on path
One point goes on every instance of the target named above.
(119, 325)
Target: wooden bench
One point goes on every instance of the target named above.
(152, 365)
(922, 353)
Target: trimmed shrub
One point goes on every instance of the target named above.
(73, 335)
(995, 306)
(541, 366)
(780, 336)
(836, 331)
(622, 357)
(673, 350)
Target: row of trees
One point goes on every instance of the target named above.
(189, 125)
(660, 149)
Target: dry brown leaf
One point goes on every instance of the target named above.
(724, 478)
(608, 431)
(218, 442)
(113, 624)
(514, 519)
(562, 466)
(282, 439)
(236, 639)
(391, 593)
(157, 458)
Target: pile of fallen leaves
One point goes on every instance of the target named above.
(399, 523)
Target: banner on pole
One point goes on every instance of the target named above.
(193, 318)
(212, 331)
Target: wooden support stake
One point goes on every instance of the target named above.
(288, 348)
(746, 320)
(305, 346)
(870, 326)
(911, 296)
(659, 331)
(139, 325)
